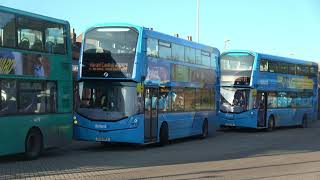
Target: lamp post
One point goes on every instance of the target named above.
(197, 22)
(291, 54)
(225, 43)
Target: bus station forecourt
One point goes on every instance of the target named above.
(137, 86)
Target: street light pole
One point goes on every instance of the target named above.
(198, 11)
(226, 41)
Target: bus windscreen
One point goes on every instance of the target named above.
(109, 52)
(236, 68)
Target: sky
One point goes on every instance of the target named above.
(289, 28)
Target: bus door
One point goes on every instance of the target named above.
(261, 101)
(151, 95)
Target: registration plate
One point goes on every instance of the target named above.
(103, 139)
(230, 124)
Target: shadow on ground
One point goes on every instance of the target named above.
(224, 145)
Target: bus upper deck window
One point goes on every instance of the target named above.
(7, 30)
(55, 41)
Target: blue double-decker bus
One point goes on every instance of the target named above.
(265, 91)
(140, 86)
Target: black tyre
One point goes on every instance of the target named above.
(271, 124)
(33, 144)
(164, 134)
(304, 122)
(205, 131)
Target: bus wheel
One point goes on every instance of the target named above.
(271, 124)
(304, 123)
(164, 134)
(33, 144)
(205, 131)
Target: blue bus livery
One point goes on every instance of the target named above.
(264, 91)
(140, 86)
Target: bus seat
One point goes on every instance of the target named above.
(37, 45)
(49, 46)
(25, 43)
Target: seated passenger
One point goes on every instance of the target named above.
(24, 43)
(163, 103)
(37, 45)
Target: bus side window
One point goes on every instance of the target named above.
(164, 99)
(291, 96)
(51, 95)
(55, 38)
(282, 100)
(30, 33)
(152, 47)
(190, 99)
(177, 52)
(190, 55)
(8, 97)
(272, 100)
(165, 50)
(177, 99)
(299, 70)
(292, 69)
(272, 67)
(32, 97)
(264, 65)
(7, 30)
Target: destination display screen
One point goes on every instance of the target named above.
(102, 65)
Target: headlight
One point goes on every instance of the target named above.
(75, 121)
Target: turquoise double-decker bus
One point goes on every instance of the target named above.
(35, 83)
(140, 86)
(264, 91)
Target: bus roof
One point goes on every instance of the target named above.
(273, 57)
(159, 35)
(113, 24)
(169, 38)
(29, 14)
